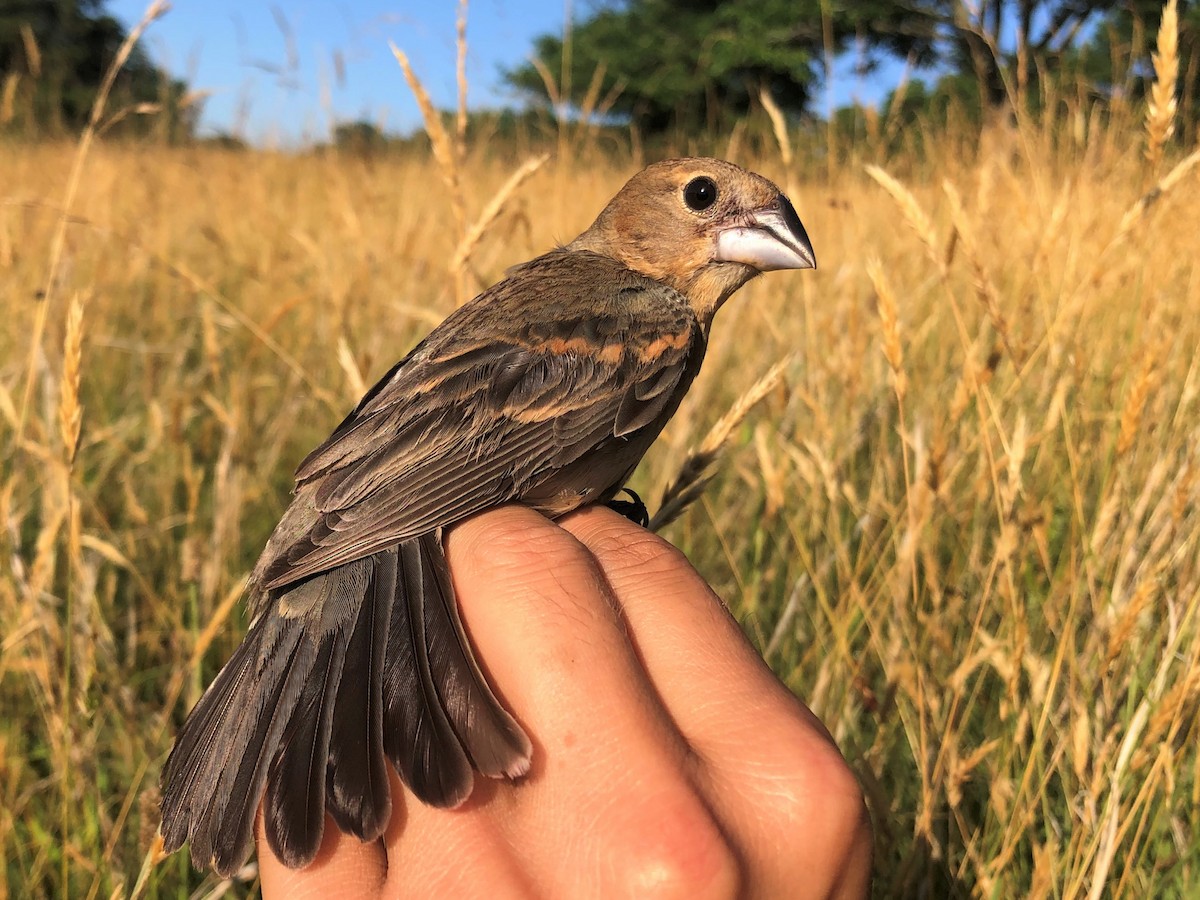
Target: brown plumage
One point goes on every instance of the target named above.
(546, 389)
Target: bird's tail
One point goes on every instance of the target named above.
(281, 720)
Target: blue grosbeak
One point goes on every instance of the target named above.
(546, 389)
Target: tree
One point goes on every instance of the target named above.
(694, 63)
(53, 56)
(1103, 58)
(1115, 61)
(359, 138)
(1007, 44)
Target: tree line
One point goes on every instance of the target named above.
(691, 64)
(53, 57)
(671, 66)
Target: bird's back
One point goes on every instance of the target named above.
(547, 389)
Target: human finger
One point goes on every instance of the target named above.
(772, 772)
(610, 789)
(344, 867)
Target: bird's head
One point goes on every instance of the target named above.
(702, 226)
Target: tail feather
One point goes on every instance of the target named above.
(197, 749)
(280, 719)
(418, 736)
(226, 840)
(357, 791)
(266, 648)
(210, 747)
(497, 745)
(295, 781)
(218, 771)
(294, 811)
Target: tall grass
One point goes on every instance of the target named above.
(962, 525)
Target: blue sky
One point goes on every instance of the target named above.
(273, 86)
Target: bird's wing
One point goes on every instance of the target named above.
(471, 424)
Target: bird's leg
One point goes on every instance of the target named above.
(634, 510)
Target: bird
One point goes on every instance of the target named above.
(545, 390)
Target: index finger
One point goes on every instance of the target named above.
(343, 867)
(772, 771)
(689, 642)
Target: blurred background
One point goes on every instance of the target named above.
(948, 482)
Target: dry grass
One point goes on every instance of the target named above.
(1160, 110)
(963, 526)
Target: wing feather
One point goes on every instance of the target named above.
(465, 423)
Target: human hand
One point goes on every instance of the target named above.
(668, 759)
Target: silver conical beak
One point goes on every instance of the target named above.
(774, 239)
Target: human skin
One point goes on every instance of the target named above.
(668, 760)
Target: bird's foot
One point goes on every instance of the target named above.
(634, 510)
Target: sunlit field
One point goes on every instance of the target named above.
(960, 521)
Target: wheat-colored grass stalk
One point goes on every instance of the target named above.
(33, 53)
(694, 473)
(913, 214)
(720, 432)
(1160, 109)
(873, 127)
(984, 288)
(70, 410)
(8, 411)
(460, 69)
(895, 118)
(495, 206)
(356, 385)
(594, 107)
(8, 98)
(156, 9)
(1138, 211)
(886, 302)
(1135, 402)
(779, 126)
(1121, 629)
(450, 155)
(444, 152)
(591, 97)
(548, 82)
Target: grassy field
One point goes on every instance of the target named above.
(963, 525)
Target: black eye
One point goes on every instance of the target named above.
(700, 193)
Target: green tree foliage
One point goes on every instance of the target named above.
(1115, 60)
(1006, 44)
(1030, 49)
(1105, 64)
(693, 63)
(53, 56)
(360, 138)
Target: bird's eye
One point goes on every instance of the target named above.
(700, 193)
